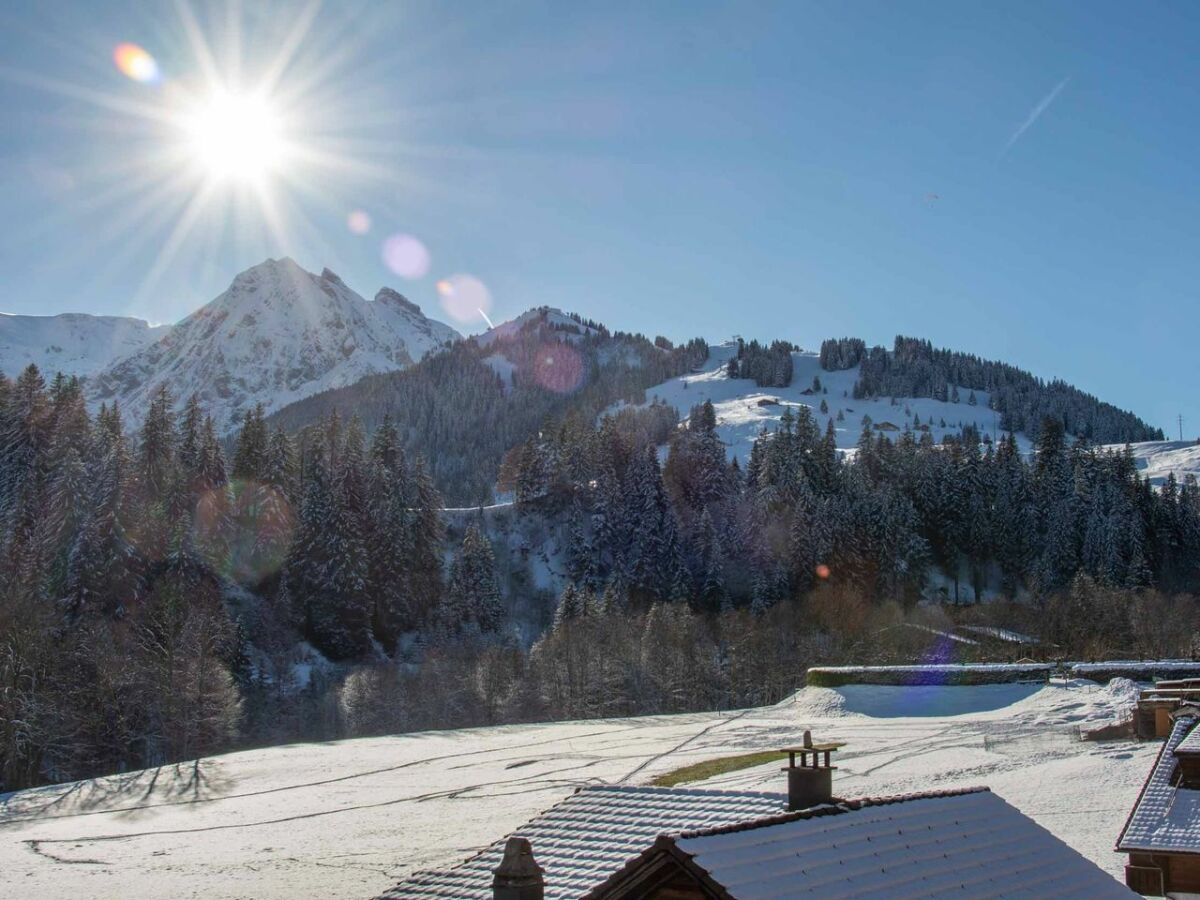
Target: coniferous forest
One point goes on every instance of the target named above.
(167, 593)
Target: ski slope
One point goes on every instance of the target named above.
(347, 819)
(1158, 459)
(743, 408)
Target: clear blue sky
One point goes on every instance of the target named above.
(684, 168)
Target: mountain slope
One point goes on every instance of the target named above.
(71, 343)
(894, 391)
(461, 410)
(276, 335)
(743, 408)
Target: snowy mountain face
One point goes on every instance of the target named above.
(71, 343)
(278, 334)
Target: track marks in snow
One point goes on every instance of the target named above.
(701, 733)
(40, 816)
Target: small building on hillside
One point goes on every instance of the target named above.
(609, 842)
(1162, 834)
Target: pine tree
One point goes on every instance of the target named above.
(389, 543)
(570, 607)
(250, 455)
(156, 451)
(327, 569)
(579, 555)
(473, 595)
(190, 433)
(709, 594)
(653, 557)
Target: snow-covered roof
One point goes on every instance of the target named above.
(1190, 744)
(1001, 634)
(591, 834)
(949, 635)
(1166, 818)
(967, 843)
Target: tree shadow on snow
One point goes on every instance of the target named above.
(127, 794)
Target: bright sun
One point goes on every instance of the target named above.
(236, 138)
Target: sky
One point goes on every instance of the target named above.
(1016, 180)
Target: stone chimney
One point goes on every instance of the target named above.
(518, 877)
(811, 782)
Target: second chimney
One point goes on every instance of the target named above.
(811, 782)
(518, 877)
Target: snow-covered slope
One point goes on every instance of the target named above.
(744, 409)
(71, 343)
(350, 818)
(1158, 459)
(277, 334)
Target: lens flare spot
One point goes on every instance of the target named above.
(465, 297)
(244, 529)
(359, 221)
(822, 571)
(558, 368)
(135, 63)
(406, 256)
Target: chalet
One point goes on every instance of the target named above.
(608, 842)
(966, 843)
(1158, 706)
(1162, 834)
(887, 426)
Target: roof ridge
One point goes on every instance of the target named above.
(826, 809)
(861, 802)
(676, 791)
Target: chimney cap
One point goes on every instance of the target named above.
(807, 749)
(518, 868)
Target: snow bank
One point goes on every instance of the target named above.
(940, 674)
(999, 673)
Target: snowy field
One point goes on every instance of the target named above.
(743, 408)
(347, 819)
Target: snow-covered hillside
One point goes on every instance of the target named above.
(744, 409)
(1158, 459)
(71, 343)
(547, 315)
(348, 819)
(277, 334)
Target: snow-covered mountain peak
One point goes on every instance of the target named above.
(387, 295)
(277, 334)
(332, 277)
(71, 343)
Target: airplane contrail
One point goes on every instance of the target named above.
(1035, 114)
